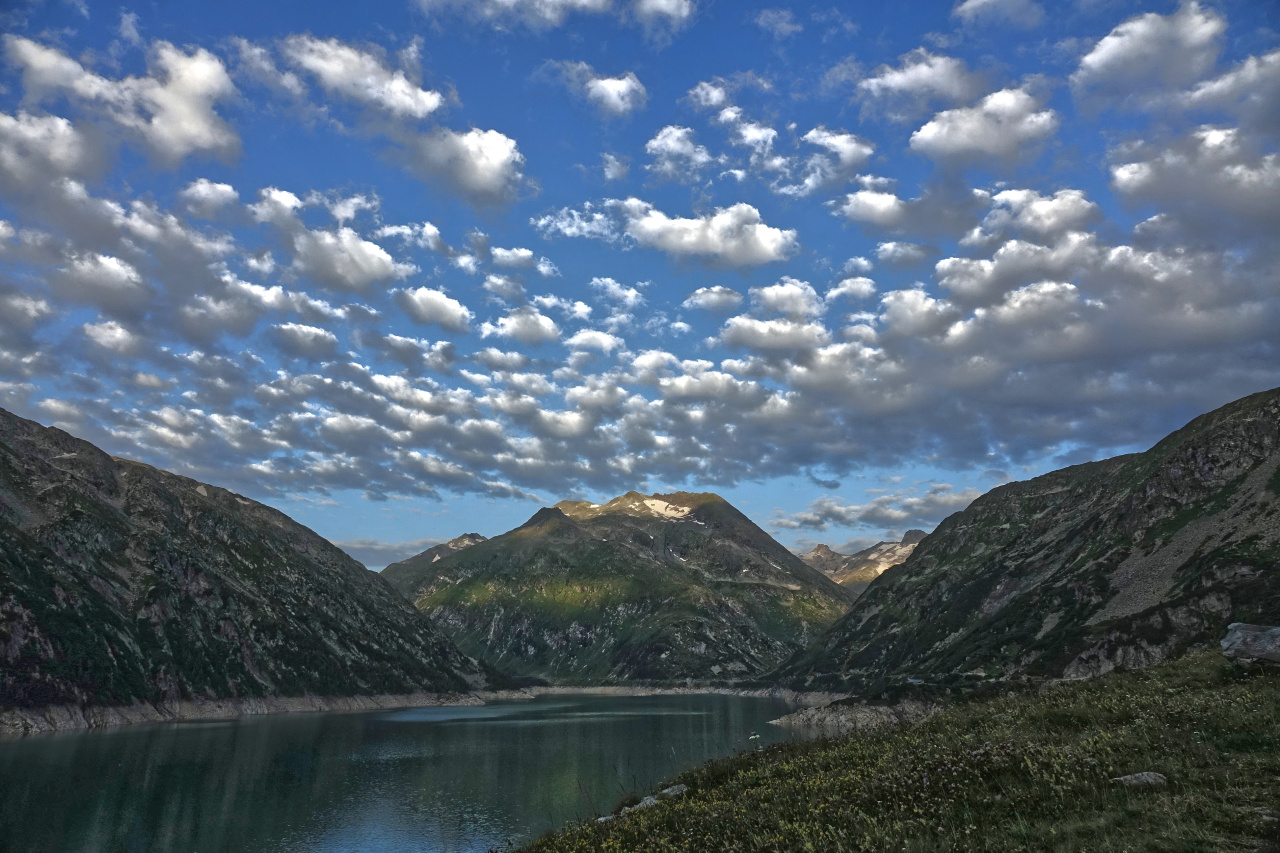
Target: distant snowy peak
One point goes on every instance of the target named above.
(856, 571)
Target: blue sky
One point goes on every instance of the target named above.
(410, 269)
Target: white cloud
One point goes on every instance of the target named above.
(519, 258)
(792, 297)
(1020, 13)
(914, 313)
(361, 77)
(779, 23)
(539, 14)
(733, 236)
(659, 16)
(922, 77)
(1002, 125)
(590, 222)
(504, 287)
(304, 341)
(433, 306)
(110, 283)
(344, 260)
(899, 510)
(822, 170)
(618, 293)
(613, 95)
(172, 111)
(675, 154)
(901, 254)
(525, 325)
(205, 198)
(708, 96)
(112, 336)
(423, 234)
(856, 287)
(1151, 52)
(615, 168)
(38, 149)
(717, 298)
(595, 339)
(483, 166)
(1251, 91)
(773, 335)
(878, 208)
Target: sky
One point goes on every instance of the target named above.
(415, 268)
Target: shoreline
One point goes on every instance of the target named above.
(19, 723)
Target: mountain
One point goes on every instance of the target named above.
(122, 583)
(1118, 563)
(655, 588)
(857, 571)
(433, 554)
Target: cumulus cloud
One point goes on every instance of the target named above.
(675, 154)
(205, 198)
(792, 297)
(847, 152)
(620, 294)
(1019, 13)
(172, 111)
(595, 339)
(773, 335)
(434, 307)
(734, 236)
(1003, 125)
(717, 298)
(898, 253)
(1151, 52)
(615, 168)
(361, 77)
(482, 166)
(111, 284)
(616, 96)
(305, 341)
(35, 150)
(921, 78)
(658, 17)
(899, 510)
(525, 325)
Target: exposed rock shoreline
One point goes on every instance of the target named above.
(20, 722)
(836, 720)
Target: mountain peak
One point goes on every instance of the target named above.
(913, 537)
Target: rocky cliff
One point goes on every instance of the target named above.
(857, 571)
(655, 588)
(1118, 563)
(121, 583)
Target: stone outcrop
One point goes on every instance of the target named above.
(1248, 643)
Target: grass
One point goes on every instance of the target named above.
(1029, 772)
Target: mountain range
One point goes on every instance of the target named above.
(1117, 563)
(121, 583)
(654, 588)
(856, 571)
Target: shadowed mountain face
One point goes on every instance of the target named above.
(646, 587)
(1116, 563)
(857, 571)
(120, 582)
(431, 555)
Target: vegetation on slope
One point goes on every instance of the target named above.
(1028, 772)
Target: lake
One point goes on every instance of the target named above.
(436, 780)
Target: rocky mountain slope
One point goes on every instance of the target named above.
(122, 583)
(433, 554)
(654, 588)
(857, 571)
(1118, 563)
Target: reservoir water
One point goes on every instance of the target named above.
(434, 780)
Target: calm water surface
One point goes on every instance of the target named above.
(430, 779)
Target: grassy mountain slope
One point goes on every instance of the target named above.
(651, 588)
(1028, 772)
(1123, 562)
(120, 582)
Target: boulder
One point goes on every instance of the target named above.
(673, 791)
(1145, 779)
(1247, 643)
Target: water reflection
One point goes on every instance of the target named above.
(431, 779)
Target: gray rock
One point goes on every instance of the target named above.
(1244, 643)
(1145, 779)
(604, 819)
(643, 804)
(673, 791)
